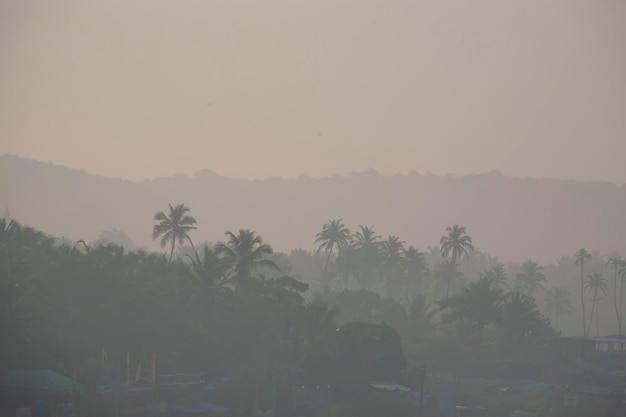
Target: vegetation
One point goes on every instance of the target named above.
(174, 227)
(359, 309)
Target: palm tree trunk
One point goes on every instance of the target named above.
(619, 319)
(593, 305)
(582, 300)
(172, 251)
(452, 274)
(597, 319)
(325, 267)
(621, 296)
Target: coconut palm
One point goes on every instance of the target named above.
(211, 271)
(244, 253)
(615, 262)
(421, 315)
(348, 266)
(478, 305)
(520, 317)
(446, 273)
(174, 227)
(530, 279)
(456, 244)
(367, 246)
(595, 283)
(333, 237)
(415, 267)
(622, 275)
(391, 254)
(558, 303)
(498, 276)
(579, 259)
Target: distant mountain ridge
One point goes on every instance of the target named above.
(513, 218)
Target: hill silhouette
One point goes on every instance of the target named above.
(512, 218)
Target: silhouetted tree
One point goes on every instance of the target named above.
(334, 236)
(579, 259)
(174, 227)
(558, 303)
(530, 278)
(244, 253)
(498, 276)
(615, 262)
(477, 306)
(456, 244)
(416, 268)
(595, 283)
(210, 271)
(367, 246)
(520, 318)
(391, 253)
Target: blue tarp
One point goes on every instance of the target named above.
(197, 408)
(601, 339)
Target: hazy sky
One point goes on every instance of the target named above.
(138, 89)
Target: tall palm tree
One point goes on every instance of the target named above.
(595, 283)
(348, 265)
(391, 253)
(530, 279)
(334, 236)
(456, 244)
(367, 246)
(174, 227)
(558, 303)
(615, 262)
(579, 259)
(416, 268)
(497, 274)
(622, 276)
(244, 253)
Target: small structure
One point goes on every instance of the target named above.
(38, 390)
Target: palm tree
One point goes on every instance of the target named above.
(367, 246)
(456, 244)
(446, 273)
(391, 252)
(558, 303)
(421, 315)
(615, 262)
(334, 236)
(579, 259)
(498, 276)
(622, 275)
(595, 283)
(348, 265)
(520, 317)
(477, 306)
(174, 227)
(530, 278)
(210, 270)
(415, 266)
(244, 253)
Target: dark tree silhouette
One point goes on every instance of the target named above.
(579, 259)
(595, 283)
(530, 279)
(615, 262)
(244, 253)
(174, 227)
(558, 303)
(334, 236)
(456, 244)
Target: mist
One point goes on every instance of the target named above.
(319, 209)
